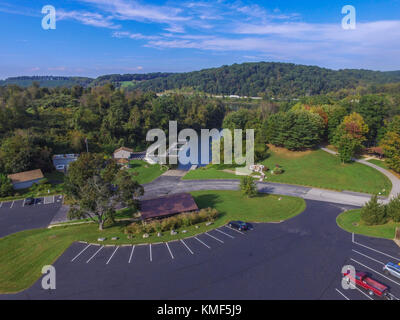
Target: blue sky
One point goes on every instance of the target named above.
(95, 37)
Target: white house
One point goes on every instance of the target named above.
(123, 153)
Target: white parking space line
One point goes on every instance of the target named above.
(151, 254)
(187, 246)
(12, 204)
(170, 252)
(342, 294)
(95, 254)
(202, 242)
(385, 254)
(234, 229)
(375, 271)
(23, 203)
(81, 252)
(214, 237)
(367, 256)
(369, 297)
(130, 257)
(116, 248)
(228, 235)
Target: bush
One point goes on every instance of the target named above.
(373, 213)
(393, 209)
(248, 186)
(6, 187)
(172, 223)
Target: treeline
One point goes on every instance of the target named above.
(38, 122)
(268, 79)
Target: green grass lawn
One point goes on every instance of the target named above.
(351, 222)
(23, 254)
(144, 172)
(315, 169)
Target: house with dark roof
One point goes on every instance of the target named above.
(26, 179)
(167, 206)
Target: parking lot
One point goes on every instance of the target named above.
(370, 255)
(153, 253)
(17, 215)
(301, 258)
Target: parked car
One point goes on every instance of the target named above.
(373, 287)
(239, 225)
(392, 269)
(29, 201)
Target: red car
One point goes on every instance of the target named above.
(373, 287)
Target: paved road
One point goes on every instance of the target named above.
(166, 185)
(298, 259)
(395, 181)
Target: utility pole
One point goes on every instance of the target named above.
(87, 146)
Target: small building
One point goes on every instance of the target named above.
(167, 206)
(123, 153)
(122, 162)
(24, 180)
(62, 161)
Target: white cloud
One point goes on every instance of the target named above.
(88, 18)
(135, 36)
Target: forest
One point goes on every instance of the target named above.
(263, 79)
(37, 122)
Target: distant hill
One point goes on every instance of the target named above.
(271, 79)
(248, 79)
(47, 81)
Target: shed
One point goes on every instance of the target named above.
(26, 179)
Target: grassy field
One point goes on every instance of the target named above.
(22, 255)
(144, 172)
(315, 169)
(351, 222)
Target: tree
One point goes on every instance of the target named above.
(6, 187)
(248, 186)
(391, 149)
(350, 135)
(374, 109)
(295, 130)
(97, 186)
(373, 213)
(393, 209)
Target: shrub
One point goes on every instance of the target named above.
(373, 213)
(393, 209)
(248, 186)
(175, 222)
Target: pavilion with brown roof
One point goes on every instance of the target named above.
(167, 206)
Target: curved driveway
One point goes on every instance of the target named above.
(395, 181)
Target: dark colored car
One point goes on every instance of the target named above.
(239, 225)
(29, 201)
